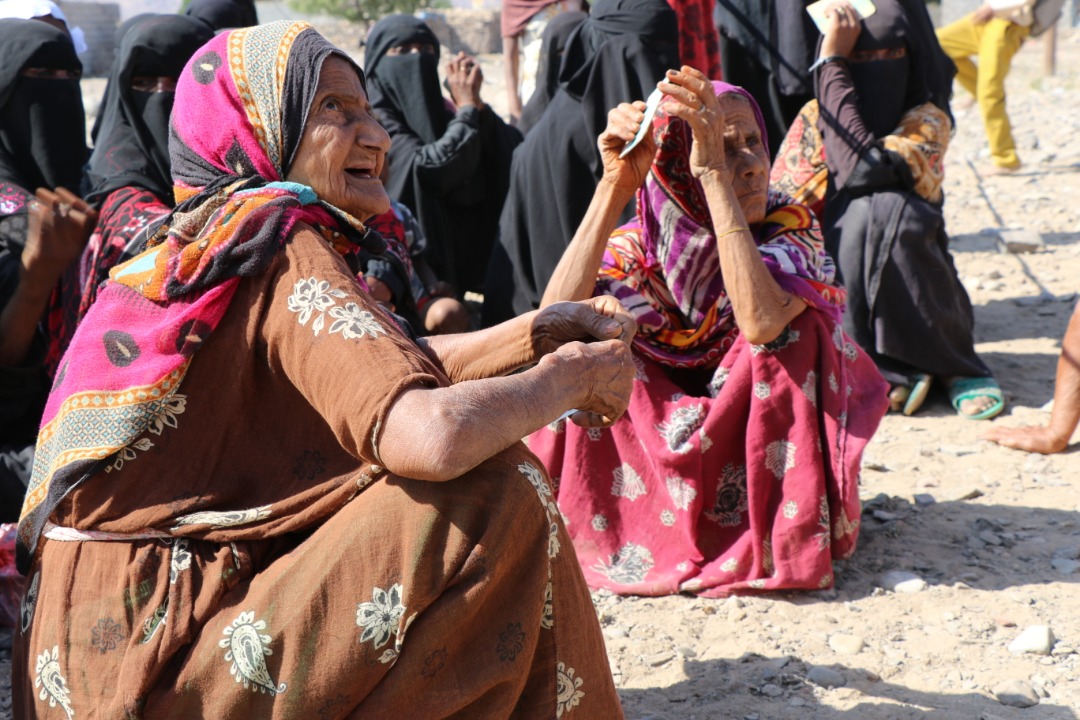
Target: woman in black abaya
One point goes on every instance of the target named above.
(883, 86)
(616, 55)
(129, 173)
(449, 164)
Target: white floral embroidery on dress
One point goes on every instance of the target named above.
(762, 390)
(626, 483)
(730, 565)
(678, 429)
(595, 433)
(809, 387)
(54, 687)
(667, 518)
(226, 518)
(833, 384)
(780, 457)
(599, 523)
(627, 566)
(682, 493)
(167, 412)
(639, 369)
(823, 537)
(246, 648)
(381, 617)
(312, 296)
(791, 509)
(568, 689)
(547, 618)
(180, 560)
(706, 443)
(718, 380)
(29, 602)
(353, 322)
(758, 584)
(128, 453)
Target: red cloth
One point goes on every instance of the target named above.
(699, 43)
(516, 14)
(755, 489)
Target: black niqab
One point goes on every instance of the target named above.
(132, 148)
(42, 126)
(224, 14)
(407, 83)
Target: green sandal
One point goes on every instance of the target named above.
(962, 389)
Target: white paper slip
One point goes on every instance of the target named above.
(865, 8)
(651, 104)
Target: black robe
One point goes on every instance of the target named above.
(617, 55)
(450, 168)
(906, 305)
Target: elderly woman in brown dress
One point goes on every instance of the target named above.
(256, 494)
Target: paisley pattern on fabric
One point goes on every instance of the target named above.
(50, 680)
(246, 648)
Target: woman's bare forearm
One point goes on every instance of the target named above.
(484, 353)
(1066, 413)
(762, 308)
(442, 433)
(575, 275)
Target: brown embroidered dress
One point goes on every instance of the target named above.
(251, 559)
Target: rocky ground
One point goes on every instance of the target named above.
(962, 601)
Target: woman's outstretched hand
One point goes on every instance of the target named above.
(697, 105)
(624, 121)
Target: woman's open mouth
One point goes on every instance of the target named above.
(362, 172)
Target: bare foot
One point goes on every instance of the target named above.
(976, 405)
(1028, 438)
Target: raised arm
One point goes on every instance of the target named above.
(60, 224)
(575, 275)
(729, 159)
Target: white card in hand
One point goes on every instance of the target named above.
(646, 125)
(865, 8)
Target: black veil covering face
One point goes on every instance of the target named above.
(223, 14)
(616, 55)
(451, 168)
(132, 146)
(42, 126)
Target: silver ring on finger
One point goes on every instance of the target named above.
(62, 209)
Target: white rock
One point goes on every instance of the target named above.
(847, 644)
(1037, 639)
(901, 581)
(771, 690)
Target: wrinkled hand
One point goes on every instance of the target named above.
(598, 318)
(697, 105)
(60, 224)
(626, 173)
(464, 76)
(604, 374)
(844, 26)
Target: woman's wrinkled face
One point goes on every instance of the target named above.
(343, 148)
(747, 156)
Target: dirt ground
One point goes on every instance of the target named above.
(989, 536)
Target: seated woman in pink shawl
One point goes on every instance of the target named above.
(736, 467)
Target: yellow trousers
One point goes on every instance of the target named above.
(993, 43)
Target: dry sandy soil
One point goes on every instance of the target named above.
(992, 535)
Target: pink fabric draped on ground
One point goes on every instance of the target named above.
(755, 489)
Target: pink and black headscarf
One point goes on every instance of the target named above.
(239, 115)
(665, 268)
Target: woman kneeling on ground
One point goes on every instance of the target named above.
(237, 507)
(735, 468)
